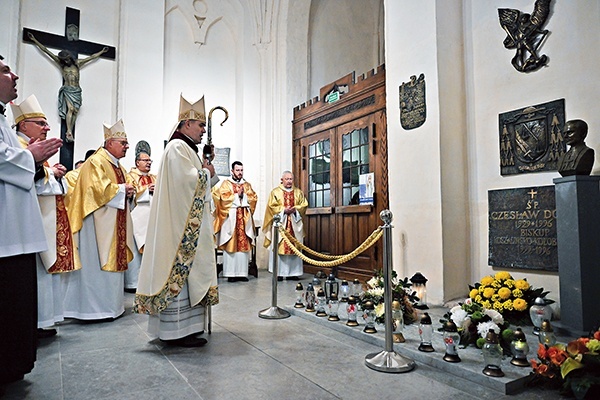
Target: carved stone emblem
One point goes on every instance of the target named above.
(413, 110)
(531, 138)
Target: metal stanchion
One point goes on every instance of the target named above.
(274, 312)
(388, 360)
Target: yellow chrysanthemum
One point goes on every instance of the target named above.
(473, 293)
(487, 280)
(486, 304)
(489, 292)
(520, 305)
(497, 284)
(502, 275)
(504, 293)
(517, 293)
(508, 305)
(478, 299)
(522, 284)
(481, 288)
(495, 297)
(509, 283)
(498, 306)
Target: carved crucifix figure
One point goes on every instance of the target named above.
(69, 95)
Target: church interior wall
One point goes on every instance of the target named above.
(344, 37)
(496, 87)
(427, 205)
(414, 161)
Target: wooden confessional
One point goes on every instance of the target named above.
(337, 137)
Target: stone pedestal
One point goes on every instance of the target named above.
(578, 235)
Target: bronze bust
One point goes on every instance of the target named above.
(579, 159)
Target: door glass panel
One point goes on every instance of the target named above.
(355, 161)
(319, 173)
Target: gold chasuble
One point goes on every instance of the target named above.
(279, 199)
(140, 181)
(97, 184)
(180, 246)
(61, 255)
(223, 197)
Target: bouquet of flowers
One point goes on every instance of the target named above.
(511, 298)
(401, 291)
(474, 322)
(574, 367)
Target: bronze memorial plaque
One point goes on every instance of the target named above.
(413, 109)
(531, 138)
(522, 228)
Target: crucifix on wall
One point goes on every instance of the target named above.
(69, 95)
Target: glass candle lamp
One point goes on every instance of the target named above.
(369, 316)
(321, 304)
(331, 286)
(310, 298)
(451, 340)
(492, 355)
(299, 296)
(547, 336)
(419, 284)
(344, 291)
(351, 309)
(426, 333)
(333, 305)
(356, 288)
(397, 322)
(519, 349)
(538, 312)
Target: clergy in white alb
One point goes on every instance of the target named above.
(103, 231)
(143, 182)
(235, 202)
(178, 276)
(289, 202)
(22, 237)
(60, 257)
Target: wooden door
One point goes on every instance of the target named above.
(328, 160)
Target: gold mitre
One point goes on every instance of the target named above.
(194, 111)
(117, 131)
(30, 108)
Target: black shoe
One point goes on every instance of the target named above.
(242, 279)
(280, 278)
(45, 333)
(130, 290)
(188, 341)
(292, 278)
(231, 279)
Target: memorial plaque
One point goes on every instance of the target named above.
(413, 109)
(531, 138)
(522, 228)
(221, 161)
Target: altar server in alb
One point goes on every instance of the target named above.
(20, 240)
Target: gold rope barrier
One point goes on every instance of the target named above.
(337, 260)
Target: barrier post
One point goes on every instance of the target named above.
(388, 360)
(274, 312)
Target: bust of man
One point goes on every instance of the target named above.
(579, 159)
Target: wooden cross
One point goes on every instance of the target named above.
(70, 41)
